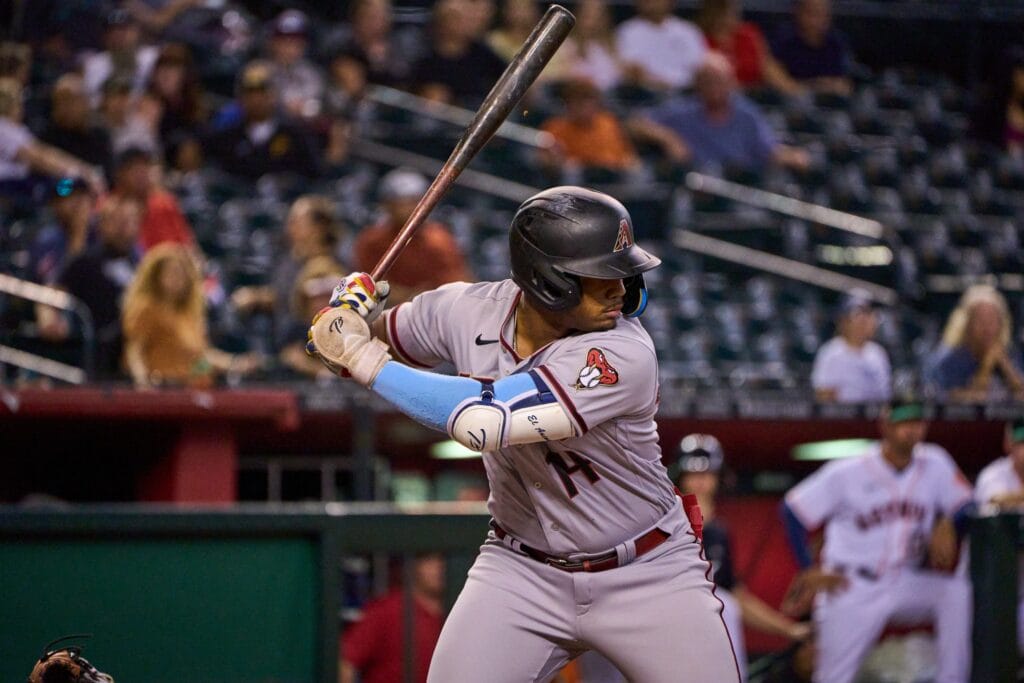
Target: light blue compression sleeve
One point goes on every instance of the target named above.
(430, 398)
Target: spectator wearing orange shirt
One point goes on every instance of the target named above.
(432, 258)
(162, 219)
(744, 45)
(587, 136)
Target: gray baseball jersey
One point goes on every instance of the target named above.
(519, 619)
(538, 489)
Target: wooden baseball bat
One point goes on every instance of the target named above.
(533, 56)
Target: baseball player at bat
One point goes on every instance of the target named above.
(891, 518)
(589, 547)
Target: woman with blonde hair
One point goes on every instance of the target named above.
(976, 348)
(164, 324)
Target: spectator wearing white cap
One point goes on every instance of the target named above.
(432, 258)
(299, 82)
(850, 367)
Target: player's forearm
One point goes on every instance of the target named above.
(516, 409)
(761, 616)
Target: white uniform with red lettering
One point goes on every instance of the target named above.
(999, 478)
(518, 619)
(877, 523)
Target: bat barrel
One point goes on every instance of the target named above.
(541, 45)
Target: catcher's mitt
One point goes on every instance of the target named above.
(66, 665)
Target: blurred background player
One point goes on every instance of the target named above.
(372, 649)
(889, 517)
(699, 471)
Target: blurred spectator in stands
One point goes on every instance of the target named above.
(977, 360)
(263, 141)
(457, 68)
(744, 45)
(698, 470)
(156, 16)
(479, 15)
(518, 18)
(165, 339)
(67, 234)
(136, 178)
(661, 52)
(99, 276)
(591, 46)
(720, 128)
(373, 53)
(299, 82)
(312, 233)
(70, 127)
(999, 117)
(1001, 486)
(311, 292)
(587, 136)
(373, 648)
(176, 91)
(432, 258)
(124, 54)
(58, 242)
(812, 51)
(15, 61)
(850, 367)
(21, 153)
(128, 121)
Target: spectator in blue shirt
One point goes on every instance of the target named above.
(814, 52)
(976, 361)
(718, 129)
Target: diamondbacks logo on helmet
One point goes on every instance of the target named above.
(597, 372)
(624, 238)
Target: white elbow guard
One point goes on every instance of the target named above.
(486, 425)
(479, 426)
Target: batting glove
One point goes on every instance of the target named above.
(361, 294)
(341, 339)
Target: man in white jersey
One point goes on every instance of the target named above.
(590, 548)
(890, 518)
(1001, 487)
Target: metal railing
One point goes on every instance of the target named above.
(63, 301)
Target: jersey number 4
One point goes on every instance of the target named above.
(565, 470)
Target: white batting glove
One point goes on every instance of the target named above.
(341, 339)
(360, 293)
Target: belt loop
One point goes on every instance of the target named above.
(626, 552)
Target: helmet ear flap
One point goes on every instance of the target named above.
(634, 302)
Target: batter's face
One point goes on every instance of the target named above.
(600, 306)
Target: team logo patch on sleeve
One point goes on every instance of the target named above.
(597, 372)
(625, 236)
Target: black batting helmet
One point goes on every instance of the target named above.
(699, 453)
(565, 233)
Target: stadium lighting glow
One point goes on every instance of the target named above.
(830, 450)
(452, 450)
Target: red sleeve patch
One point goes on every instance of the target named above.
(597, 372)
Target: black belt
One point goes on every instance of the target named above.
(862, 572)
(599, 563)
